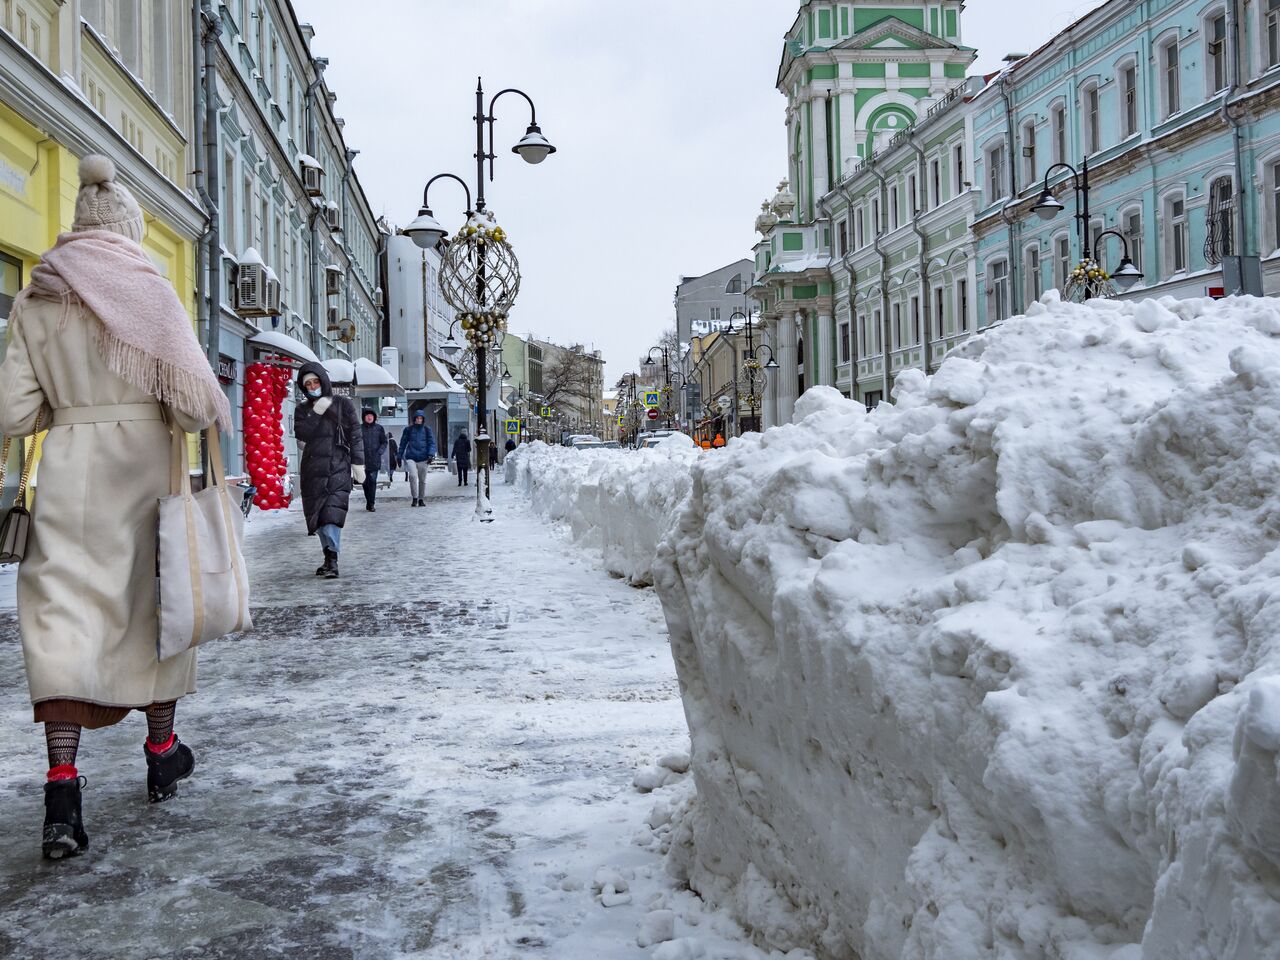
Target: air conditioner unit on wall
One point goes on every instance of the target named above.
(333, 320)
(273, 293)
(251, 285)
(333, 216)
(332, 280)
(312, 175)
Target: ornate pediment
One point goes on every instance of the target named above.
(894, 34)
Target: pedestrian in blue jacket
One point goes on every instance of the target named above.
(417, 450)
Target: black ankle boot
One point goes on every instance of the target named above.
(64, 834)
(330, 560)
(164, 770)
(332, 563)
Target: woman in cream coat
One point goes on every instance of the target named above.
(102, 356)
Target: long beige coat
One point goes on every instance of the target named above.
(87, 587)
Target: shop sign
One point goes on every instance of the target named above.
(226, 369)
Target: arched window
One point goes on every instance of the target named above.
(734, 285)
(1214, 30)
(1131, 228)
(1271, 33)
(1219, 221)
(1127, 74)
(1170, 63)
(1091, 109)
(1029, 151)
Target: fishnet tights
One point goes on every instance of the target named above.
(160, 722)
(63, 740)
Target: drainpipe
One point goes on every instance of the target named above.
(1240, 234)
(853, 308)
(208, 27)
(346, 227)
(314, 266)
(887, 380)
(1011, 222)
(923, 259)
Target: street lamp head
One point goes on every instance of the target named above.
(771, 364)
(450, 347)
(533, 146)
(1127, 275)
(649, 361)
(1048, 206)
(425, 230)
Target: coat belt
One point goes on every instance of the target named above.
(107, 413)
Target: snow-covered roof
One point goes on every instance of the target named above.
(277, 342)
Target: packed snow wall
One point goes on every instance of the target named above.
(993, 672)
(618, 501)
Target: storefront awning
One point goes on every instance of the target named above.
(273, 343)
(373, 380)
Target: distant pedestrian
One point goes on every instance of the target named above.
(393, 456)
(509, 445)
(332, 456)
(375, 449)
(97, 337)
(418, 447)
(462, 457)
(493, 455)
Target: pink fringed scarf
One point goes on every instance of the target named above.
(146, 337)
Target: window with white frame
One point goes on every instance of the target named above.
(877, 223)
(939, 302)
(1131, 227)
(860, 327)
(877, 332)
(1177, 239)
(1271, 30)
(1275, 202)
(935, 179)
(913, 197)
(962, 304)
(999, 271)
(1219, 221)
(842, 237)
(916, 333)
(995, 172)
(1061, 260)
(957, 168)
(1092, 107)
(1029, 151)
(895, 312)
(1058, 119)
(844, 343)
(1031, 272)
(1128, 99)
(1170, 77)
(893, 207)
(1215, 52)
(859, 232)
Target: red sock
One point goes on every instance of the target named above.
(64, 771)
(161, 747)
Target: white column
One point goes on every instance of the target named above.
(826, 360)
(787, 366)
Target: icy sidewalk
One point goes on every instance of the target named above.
(430, 757)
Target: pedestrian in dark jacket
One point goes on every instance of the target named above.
(375, 447)
(462, 457)
(509, 445)
(418, 448)
(333, 454)
(393, 455)
(493, 455)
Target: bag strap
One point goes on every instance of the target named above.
(179, 462)
(4, 460)
(27, 463)
(217, 472)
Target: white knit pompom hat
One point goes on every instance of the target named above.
(104, 204)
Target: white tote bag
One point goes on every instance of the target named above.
(204, 585)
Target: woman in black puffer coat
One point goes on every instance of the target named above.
(332, 455)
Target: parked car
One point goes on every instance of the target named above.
(655, 438)
(612, 445)
(586, 443)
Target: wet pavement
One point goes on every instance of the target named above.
(425, 758)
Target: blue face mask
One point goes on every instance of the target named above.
(315, 392)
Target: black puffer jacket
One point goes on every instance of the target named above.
(375, 440)
(333, 443)
(462, 452)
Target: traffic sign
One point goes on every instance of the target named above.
(651, 399)
(621, 420)
(653, 414)
(546, 411)
(513, 427)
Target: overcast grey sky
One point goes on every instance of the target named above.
(668, 126)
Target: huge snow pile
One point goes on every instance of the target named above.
(619, 501)
(992, 672)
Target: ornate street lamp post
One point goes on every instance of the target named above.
(1089, 278)
(754, 373)
(480, 275)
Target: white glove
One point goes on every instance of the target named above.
(321, 405)
(357, 471)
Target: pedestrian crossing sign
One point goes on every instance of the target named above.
(652, 398)
(621, 420)
(546, 411)
(513, 427)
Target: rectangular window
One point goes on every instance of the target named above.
(1275, 200)
(939, 299)
(898, 332)
(916, 333)
(844, 343)
(1061, 261)
(935, 179)
(894, 204)
(1029, 152)
(913, 198)
(1180, 247)
(1216, 43)
(128, 27)
(1172, 78)
(859, 232)
(995, 173)
(957, 168)
(1273, 33)
(1133, 234)
(10, 283)
(1129, 90)
(877, 224)
(962, 299)
(999, 291)
(1059, 134)
(861, 331)
(877, 332)
(842, 237)
(1093, 120)
(248, 215)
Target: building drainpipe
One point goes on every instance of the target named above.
(314, 265)
(923, 259)
(1011, 222)
(853, 307)
(1241, 234)
(207, 28)
(887, 380)
(346, 225)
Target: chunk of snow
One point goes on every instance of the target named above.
(658, 926)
